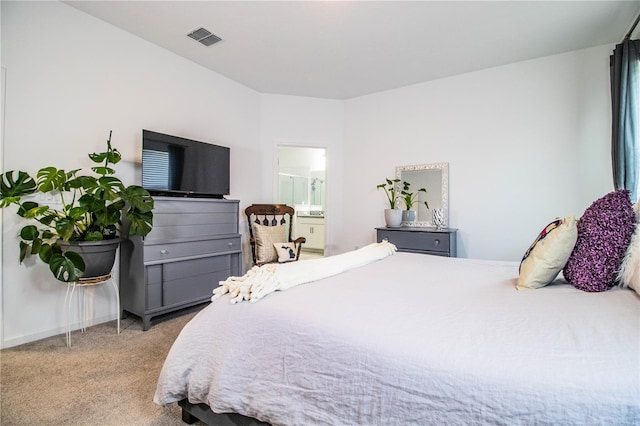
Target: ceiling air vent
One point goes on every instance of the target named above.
(204, 36)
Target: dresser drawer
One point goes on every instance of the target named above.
(161, 233)
(165, 252)
(419, 241)
(181, 206)
(189, 280)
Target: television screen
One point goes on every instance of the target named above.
(177, 166)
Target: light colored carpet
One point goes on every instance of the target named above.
(103, 379)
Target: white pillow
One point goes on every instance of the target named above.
(548, 254)
(629, 273)
(286, 252)
(265, 237)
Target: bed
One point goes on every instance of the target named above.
(413, 339)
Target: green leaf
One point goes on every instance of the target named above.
(36, 246)
(139, 198)
(50, 178)
(109, 216)
(34, 212)
(93, 236)
(23, 250)
(77, 212)
(25, 207)
(70, 181)
(65, 228)
(101, 170)
(98, 157)
(88, 183)
(46, 251)
(46, 234)
(13, 186)
(91, 203)
(114, 156)
(29, 233)
(110, 187)
(141, 222)
(67, 267)
(118, 205)
(48, 218)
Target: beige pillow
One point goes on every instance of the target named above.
(286, 252)
(265, 237)
(629, 273)
(548, 254)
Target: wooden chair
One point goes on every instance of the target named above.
(271, 215)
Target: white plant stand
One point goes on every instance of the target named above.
(83, 284)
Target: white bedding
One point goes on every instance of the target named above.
(415, 339)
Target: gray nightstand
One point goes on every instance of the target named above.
(440, 242)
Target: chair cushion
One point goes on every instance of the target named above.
(265, 236)
(286, 252)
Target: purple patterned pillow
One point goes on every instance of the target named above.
(604, 233)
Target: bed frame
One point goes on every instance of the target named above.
(192, 413)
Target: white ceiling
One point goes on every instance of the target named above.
(344, 49)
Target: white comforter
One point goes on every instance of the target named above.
(415, 339)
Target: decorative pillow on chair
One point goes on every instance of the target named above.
(604, 233)
(286, 251)
(548, 254)
(265, 237)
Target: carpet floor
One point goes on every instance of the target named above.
(103, 379)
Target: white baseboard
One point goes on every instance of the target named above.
(54, 332)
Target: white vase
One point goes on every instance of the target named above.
(438, 218)
(393, 217)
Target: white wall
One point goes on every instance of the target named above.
(309, 122)
(70, 79)
(525, 143)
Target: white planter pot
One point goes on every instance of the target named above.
(393, 217)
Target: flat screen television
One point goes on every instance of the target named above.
(175, 166)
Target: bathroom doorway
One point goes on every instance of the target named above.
(302, 185)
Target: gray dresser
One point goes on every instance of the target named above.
(194, 244)
(440, 242)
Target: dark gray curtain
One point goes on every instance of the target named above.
(625, 99)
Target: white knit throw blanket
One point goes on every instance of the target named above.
(260, 281)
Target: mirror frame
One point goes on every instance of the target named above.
(444, 190)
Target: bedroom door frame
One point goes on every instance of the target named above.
(304, 150)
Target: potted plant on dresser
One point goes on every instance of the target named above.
(410, 198)
(78, 235)
(392, 215)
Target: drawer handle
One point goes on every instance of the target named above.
(163, 251)
(230, 244)
(436, 242)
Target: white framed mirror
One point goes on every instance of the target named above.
(434, 177)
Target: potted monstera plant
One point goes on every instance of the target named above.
(78, 234)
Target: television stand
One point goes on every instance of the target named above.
(194, 244)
